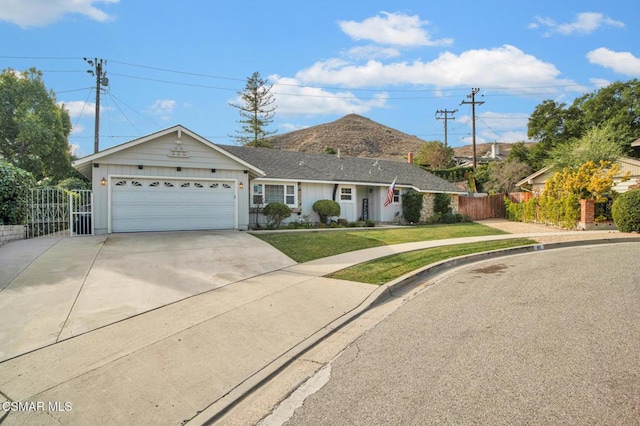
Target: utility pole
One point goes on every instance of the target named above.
(101, 79)
(445, 118)
(473, 103)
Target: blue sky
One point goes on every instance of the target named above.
(397, 62)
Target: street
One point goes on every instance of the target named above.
(550, 337)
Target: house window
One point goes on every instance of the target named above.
(346, 194)
(257, 194)
(396, 196)
(267, 193)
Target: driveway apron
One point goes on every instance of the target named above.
(80, 284)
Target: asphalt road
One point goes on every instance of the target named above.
(550, 337)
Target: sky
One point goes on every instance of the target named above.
(395, 62)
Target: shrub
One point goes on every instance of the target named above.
(626, 211)
(276, 213)
(412, 206)
(442, 203)
(72, 183)
(326, 209)
(14, 193)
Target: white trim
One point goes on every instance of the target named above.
(373, 184)
(352, 194)
(185, 178)
(89, 159)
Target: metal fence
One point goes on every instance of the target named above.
(57, 212)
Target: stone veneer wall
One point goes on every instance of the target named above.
(10, 233)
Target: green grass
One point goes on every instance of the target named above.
(385, 269)
(311, 245)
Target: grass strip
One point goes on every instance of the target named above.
(385, 269)
(304, 246)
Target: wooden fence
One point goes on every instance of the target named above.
(489, 207)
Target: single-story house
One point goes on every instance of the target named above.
(537, 180)
(175, 179)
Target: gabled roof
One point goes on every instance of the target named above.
(83, 165)
(306, 167)
(529, 179)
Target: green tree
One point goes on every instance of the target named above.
(33, 127)
(554, 124)
(434, 155)
(599, 143)
(14, 193)
(256, 112)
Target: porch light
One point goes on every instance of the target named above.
(103, 182)
(241, 185)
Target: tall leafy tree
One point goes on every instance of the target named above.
(554, 124)
(434, 155)
(33, 127)
(599, 143)
(257, 109)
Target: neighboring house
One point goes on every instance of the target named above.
(481, 158)
(536, 181)
(175, 179)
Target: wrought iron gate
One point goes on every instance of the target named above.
(57, 212)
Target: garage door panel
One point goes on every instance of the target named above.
(163, 205)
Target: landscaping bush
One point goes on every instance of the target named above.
(14, 193)
(326, 209)
(442, 203)
(276, 213)
(412, 206)
(626, 211)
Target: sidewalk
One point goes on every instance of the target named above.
(189, 360)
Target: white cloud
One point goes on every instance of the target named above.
(503, 67)
(394, 29)
(620, 62)
(585, 23)
(292, 98)
(79, 108)
(39, 13)
(163, 108)
(600, 82)
(371, 52)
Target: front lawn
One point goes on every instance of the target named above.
(304, 246)
(385, 269)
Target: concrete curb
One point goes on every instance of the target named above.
(391, 289)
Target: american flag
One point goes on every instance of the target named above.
(390, 193)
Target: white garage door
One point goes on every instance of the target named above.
(142, 204)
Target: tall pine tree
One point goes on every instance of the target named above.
(256, 107)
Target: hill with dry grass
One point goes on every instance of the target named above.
(354, 136)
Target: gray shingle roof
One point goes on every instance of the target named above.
(302, 166)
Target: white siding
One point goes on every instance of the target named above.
(201, 161)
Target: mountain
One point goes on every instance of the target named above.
(353, 135)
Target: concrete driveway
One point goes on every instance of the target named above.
(52, 289)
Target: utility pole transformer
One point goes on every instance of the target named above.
(101, 80)
(445, 118)
(473, 103)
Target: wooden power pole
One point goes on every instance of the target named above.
(445, 118)
(473, 103)
(101, 80)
